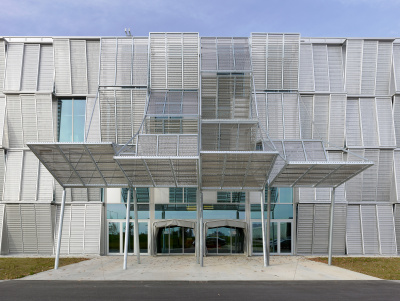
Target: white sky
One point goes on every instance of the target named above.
(310, 18)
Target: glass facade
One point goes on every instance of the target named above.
(71, 120)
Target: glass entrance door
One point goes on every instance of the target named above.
(116, 237)
(280, 237)
(175, 240)
(225, 240)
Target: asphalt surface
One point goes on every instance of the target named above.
(211, 290)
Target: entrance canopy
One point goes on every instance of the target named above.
(295, 163)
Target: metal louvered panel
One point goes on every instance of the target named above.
(339, 229)
(28, 109)
(305, 223)
(64, 248)
(384, 67)
(140, 66)
(46, 68)
(306, 116)
(274, 61)
(370, 176)
(337, 119)
(62, 66)
(306, 195)
(335, 61)
(3, 124)
(123, 116)
(59, 191)
(2, 63)
(306, 77)
(321, 228)
(323, 194)
(2, 173)
(93, 56)
(92, 233)
(291, 116)
(12, 81)
(138, 108)
(13, 176)
(14, 228)
(353, 66)
(92, 120)
(396, 118)
(354, 185)
(76, 234)
(387, 235)
(353, 123)
(108, 55)
(190, 61)
(29, 77)
(259, 59)
(94, 194)
(340, 195)
(45, 186)
(321, 72)
(385, 121)
(78, 67)
(396, 65)
(321, 117)
(28, 226)
(368, 73)
(385, 175)
(3, 233)
(397, 225)
(158, 62)
(45, 126)
(370, 229)
(30, 171)
(396, 170)
(275, 115)
(14, 121)
(291, 62)
(124, 62)
(107, 116)
(369, 122)
(174, 60)
(354, 235)
(79, 195)
(44, 228)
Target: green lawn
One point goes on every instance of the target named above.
(381, 267)
(13, 268)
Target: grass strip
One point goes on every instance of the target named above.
(14, 268)
(387, 268)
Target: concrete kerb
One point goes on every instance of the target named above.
(184, 268)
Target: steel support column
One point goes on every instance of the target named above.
(264, 239)
(268, 222)
(197, 238)
(136, 228)
(332, 210)
(128, 206)
(60, 225)
(201, 253)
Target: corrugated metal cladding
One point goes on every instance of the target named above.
(343, 91)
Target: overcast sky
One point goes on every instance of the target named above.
(310, 18)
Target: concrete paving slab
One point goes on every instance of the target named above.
(184, 268)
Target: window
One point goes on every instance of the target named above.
(231, 197)
(71, 120)
(182, 195)
(142, 195)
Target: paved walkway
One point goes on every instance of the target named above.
(184, 268)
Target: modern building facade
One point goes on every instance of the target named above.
(193, 129)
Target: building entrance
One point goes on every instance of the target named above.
(116, 237)
(175, 240)
(225, 240)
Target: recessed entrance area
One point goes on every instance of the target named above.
(225, 241)
(175, 240)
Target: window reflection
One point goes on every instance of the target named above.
(71, 120)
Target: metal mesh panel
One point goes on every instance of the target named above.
(353, 123)
(387, 235)
(370, 229)
(306, 112)
(29, 76)
(12, 79)
(321, 117)
(314, 151)
(92, 120)
(291, 116)
(353, 66)
(92, 56)
(321, 70)
(274, 61)
(2, 63)
(147, 145)
(337, 119)
(140, 64)
(123, 116)
(29, 181)
(368, 69)
(306, 68)
(78, 66)
(124, 62)
(107, 59)
(167, 145)
(384, 67)
(291, 61)
(354, 242)
(107, 116)
(275, 115)
(335, 61)
(28, 110)
(13, 176)
(62, 66)
(46, 68)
